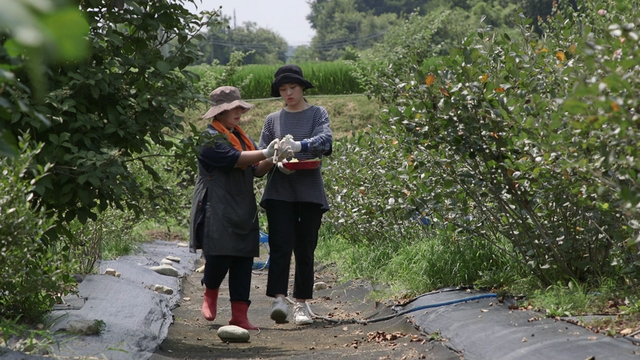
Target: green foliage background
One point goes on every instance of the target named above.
(508, 137)
(97, 124)
(520, 149)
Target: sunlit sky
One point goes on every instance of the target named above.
(285, 17)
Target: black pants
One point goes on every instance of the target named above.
(293, 227)
(239, 269)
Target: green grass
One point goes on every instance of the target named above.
(404, 269)
(417, 265)
(573, 298)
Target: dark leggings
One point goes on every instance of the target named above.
(239, 269)
(293, 227)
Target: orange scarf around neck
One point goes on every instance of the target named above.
(232, 137)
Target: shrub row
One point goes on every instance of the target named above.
(521, 137)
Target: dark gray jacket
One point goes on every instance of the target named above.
(224, 214)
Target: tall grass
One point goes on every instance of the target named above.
(329, 78)
(420, 264)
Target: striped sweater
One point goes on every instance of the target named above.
(312, 128)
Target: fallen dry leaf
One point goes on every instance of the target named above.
(626, 331)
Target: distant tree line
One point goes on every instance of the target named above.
(345, 27)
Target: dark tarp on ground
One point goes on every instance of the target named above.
(137, 318)
(500, 333)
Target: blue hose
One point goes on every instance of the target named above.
(451, 302)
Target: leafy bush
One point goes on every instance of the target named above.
(370, 181)
(407, 46)
(511, 138)
(114, 106)
(111, 235)
(33, 272)
(117, 232)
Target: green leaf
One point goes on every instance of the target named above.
(448, 183)
(54, 139)
(95, 181)
(8, 145)
(13, 48)
(70, 31)
(575, 107)
(163, 66)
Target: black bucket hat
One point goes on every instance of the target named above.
(288, 74)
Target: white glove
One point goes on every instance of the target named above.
(295, 146)
(284, 152)
(271, 149)
(284, 169)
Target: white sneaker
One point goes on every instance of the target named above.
(301, 314)
(279, 311)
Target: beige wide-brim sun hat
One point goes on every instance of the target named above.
(225, 98)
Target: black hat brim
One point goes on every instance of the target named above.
(289, 79)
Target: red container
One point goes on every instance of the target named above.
(302, 164)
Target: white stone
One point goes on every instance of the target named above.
(162, 289)
(233, 333)
(200, 269)
(320, 286)
(85, 327)
(166, 262)
(173, 258)
(183, 244)
(110, 271)
(165, 270)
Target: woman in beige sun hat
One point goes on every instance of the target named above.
(224, 223)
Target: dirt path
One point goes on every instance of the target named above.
(192, 337)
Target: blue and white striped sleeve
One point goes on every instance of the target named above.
(321, 143)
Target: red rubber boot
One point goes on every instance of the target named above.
(210, 304)
(239, 315)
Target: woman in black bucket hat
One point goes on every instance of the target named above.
(294, 200)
